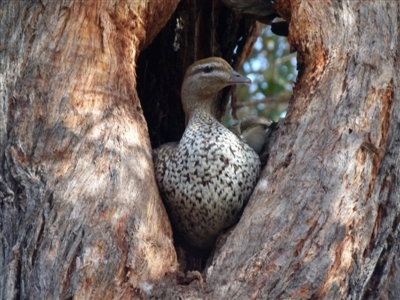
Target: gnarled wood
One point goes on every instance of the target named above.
(80, 214)
(262, 10)
(323, 220)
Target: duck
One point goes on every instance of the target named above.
(206, 178)
(253, 130)
(258, 132)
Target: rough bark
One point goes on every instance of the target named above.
(262, 10)
(323, 220)
(80, 214)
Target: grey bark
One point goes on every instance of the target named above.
(323, 220)
(80, 213)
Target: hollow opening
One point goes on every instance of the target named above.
(204, 30)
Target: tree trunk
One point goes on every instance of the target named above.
(323, 221)
(81, 216)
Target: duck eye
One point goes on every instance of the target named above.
(207, 69)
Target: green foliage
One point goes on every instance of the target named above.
(272, 69)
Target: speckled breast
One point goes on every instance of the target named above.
(206, 180)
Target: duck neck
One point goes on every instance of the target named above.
(195, 106)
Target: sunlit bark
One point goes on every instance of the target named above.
(80, 212)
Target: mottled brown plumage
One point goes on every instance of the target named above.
(208, 176)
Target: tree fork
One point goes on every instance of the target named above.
(80, 213)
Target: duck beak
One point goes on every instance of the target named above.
(238, 78)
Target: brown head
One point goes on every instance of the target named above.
(203, 80)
